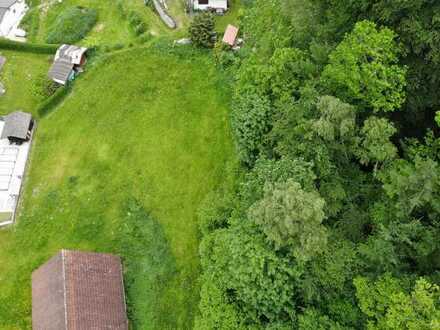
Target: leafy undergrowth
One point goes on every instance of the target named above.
(72, 25)
(159, 135)
(112, 26)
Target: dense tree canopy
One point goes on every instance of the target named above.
(291, 217)
(334, 221)
(364, 70)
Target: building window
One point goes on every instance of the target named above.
(203, 2)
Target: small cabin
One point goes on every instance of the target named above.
(17, 127)
(68, 63)
(219, 6)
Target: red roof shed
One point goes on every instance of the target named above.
(230, 35)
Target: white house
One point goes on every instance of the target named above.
(217, 5)
(11, 13)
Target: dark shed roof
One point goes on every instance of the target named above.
(61, 70)
(79, 290)
(16, 125)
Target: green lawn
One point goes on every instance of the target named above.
(18, 75)
(112, 27)
(156, 137)
(231, 16)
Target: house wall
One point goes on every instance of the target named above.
(214, 4)
(12, 17)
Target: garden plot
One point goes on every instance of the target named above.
(13, 160)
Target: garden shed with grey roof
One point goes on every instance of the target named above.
(4, 7)
(68, 61)
(18, 126)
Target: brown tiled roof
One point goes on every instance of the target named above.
(79, 291)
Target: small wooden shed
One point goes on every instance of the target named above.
(69, 60)
(18, 127)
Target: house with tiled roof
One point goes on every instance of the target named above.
(79, 290)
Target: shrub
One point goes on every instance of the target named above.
(72, 25)
(28, 47)
(202, 30)
(30, 22)
(251, 118)
(223, 55)
(214, 211)
(44, 87)
(137, 23)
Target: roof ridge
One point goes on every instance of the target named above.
(64, 286)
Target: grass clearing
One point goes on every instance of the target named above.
(157, 135)
(19, 75)
(112, 27)
(231, 17)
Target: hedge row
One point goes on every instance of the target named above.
(49, 104)
(28, 47)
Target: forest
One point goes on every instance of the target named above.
(334, 222)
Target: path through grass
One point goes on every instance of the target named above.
(112, 27)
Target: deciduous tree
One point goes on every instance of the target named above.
(291, 217)
(364, 69)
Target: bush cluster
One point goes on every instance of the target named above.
(72, 25)
(138, 25)
(202, 30)
(44, 87)
(50, 103)
(135, 20)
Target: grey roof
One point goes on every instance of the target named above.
(61, 70)
(7, 3)
(16, 125)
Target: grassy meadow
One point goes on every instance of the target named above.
(112, 27)
(18, 75)
(121, 167)
(231, 17)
